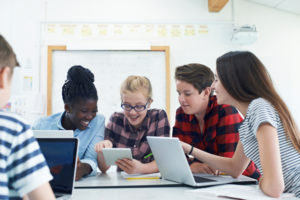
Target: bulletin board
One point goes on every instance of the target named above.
(110, 68)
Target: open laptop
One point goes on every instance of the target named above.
(61, 157)
(173, 165)
(53, 133)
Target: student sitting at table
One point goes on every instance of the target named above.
(129, 129)
(23, 169)
(201, 122)
(268, 134)
(80, 98)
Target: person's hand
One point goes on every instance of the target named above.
(186, 147)
(82, 169)
(130, 166)
(26, 197)
(103, 144)
(100, 157)
(260, 181)
(79, 171)
(198, 167)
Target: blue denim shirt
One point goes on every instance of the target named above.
(87, 138)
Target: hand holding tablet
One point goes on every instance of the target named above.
(111, 155)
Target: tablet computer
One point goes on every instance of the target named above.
(111, 155)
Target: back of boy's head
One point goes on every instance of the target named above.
(79, 85)
(198, 75)
(137, 84)
(7, 55)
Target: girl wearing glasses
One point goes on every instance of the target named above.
(128, 129)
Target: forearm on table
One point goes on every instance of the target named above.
(84, 169)
(101, 163)
(150, 167)
(227, 165)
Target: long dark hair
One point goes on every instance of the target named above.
(79, 85)
(245, 78)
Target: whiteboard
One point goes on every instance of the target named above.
(110, 68)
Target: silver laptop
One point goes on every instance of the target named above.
(53, 133)
(61, 157)
(173, 165)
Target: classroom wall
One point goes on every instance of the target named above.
(277, 46)
(20, 23)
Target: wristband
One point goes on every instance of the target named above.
(191, 151)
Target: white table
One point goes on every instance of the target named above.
(113, 187)
(115, 180)
(164, 193)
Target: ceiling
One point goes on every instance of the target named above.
(292, 6)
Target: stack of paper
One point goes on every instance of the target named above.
(241, 192)
(140, 176)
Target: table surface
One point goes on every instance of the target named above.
(113, 186)
(115, 179)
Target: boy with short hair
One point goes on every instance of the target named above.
(23, 169)
(201, 122)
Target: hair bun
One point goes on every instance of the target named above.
(78, 74)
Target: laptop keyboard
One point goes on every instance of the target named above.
(199, 179)
(58, 195)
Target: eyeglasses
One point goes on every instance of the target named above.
(137, 108)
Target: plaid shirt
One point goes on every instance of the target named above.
(220, 137)
(123, 135)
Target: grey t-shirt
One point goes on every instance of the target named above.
(261, 111)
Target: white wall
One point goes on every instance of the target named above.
(278, 47)
(202, 48)
(278, 44)
(132, 11)
(20, 25)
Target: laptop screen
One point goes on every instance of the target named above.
(53, 133)
(61, 155)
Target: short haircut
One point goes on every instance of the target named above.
(136, 84)
(79, 85)
(7, 55)
(198, 75)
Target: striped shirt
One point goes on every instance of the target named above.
(22, 166)
(261, 111)
(220, 132)
(123, 135)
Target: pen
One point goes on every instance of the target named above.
(140, 178)
(229, 197)
(222, 173)
(147, 156)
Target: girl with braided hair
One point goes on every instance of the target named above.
(80, 99)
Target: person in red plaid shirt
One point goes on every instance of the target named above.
(129, 129)
(201, 122)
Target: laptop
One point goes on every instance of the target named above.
(53, 133)
(61, 157)
(173, 165)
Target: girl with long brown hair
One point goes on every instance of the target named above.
(268, 134)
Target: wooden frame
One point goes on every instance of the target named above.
(216, 5)
(49, 75)
(51, 49)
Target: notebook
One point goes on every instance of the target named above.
(61, 157)
(173, 165)
(53, 133)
